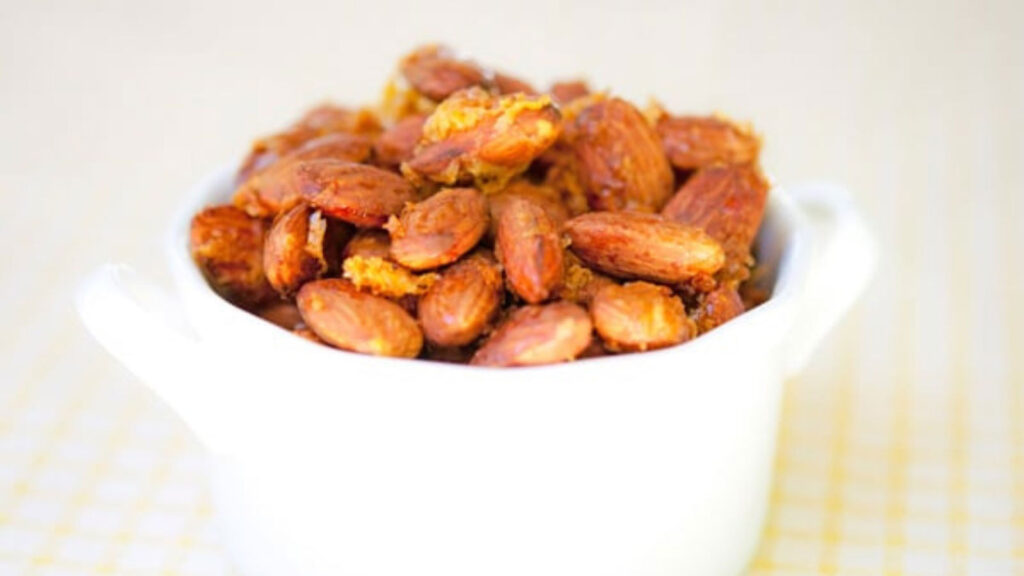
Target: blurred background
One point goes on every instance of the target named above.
(902, 447)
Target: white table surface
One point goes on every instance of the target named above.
(902, 447)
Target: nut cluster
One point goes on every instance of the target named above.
(472, 218)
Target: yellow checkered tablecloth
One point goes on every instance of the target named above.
(902, 446)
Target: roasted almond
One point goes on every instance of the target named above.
(302, 245)
(508, 84)
(568, 90)
(261, 194)
(458, 308)
(643, 246)
(546, 197)
(437, 73)
(475, 136)
(717, 307)
(356, 193)
(533, 335)
(693, 142)
(620, 161)
(227, 245)
(438, 230)
(344, 317)
(320, 121)
(341, 146)
(640, 316)
(528, 245)
(728, 203)
(397, 143)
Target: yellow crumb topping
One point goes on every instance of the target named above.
(385, 278)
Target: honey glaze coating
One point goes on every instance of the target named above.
(471, 217)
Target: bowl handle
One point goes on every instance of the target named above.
(843, 256)
(140, 325)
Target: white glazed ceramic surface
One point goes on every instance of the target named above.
(331, 463)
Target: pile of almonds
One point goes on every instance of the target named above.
(470, 217)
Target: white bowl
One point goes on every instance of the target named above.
(331, 463)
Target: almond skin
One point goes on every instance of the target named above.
(693, 142)
(529, 247)
(349, 319)
(301, 246)
(619, 157)
(227, 245)
(534, 335)
(458, 308)
(643, 246)
(640, 316)
(481, 138)
(438, 230)
(728, 203)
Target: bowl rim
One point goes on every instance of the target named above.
(778, 310)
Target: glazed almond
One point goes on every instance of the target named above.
(693, 142)
(458, 308)
(640, 316)
(643, 246)
(436, 72)
(619, 158)
(227, 245)
(534, 335)
(529, 247)
(544, 196)
(344, 317)
(356, 193)
(566, 91)
(320, 121)
(267, 192)
(728, 203)
(508, 84)
(438, 230)
(475, 136)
